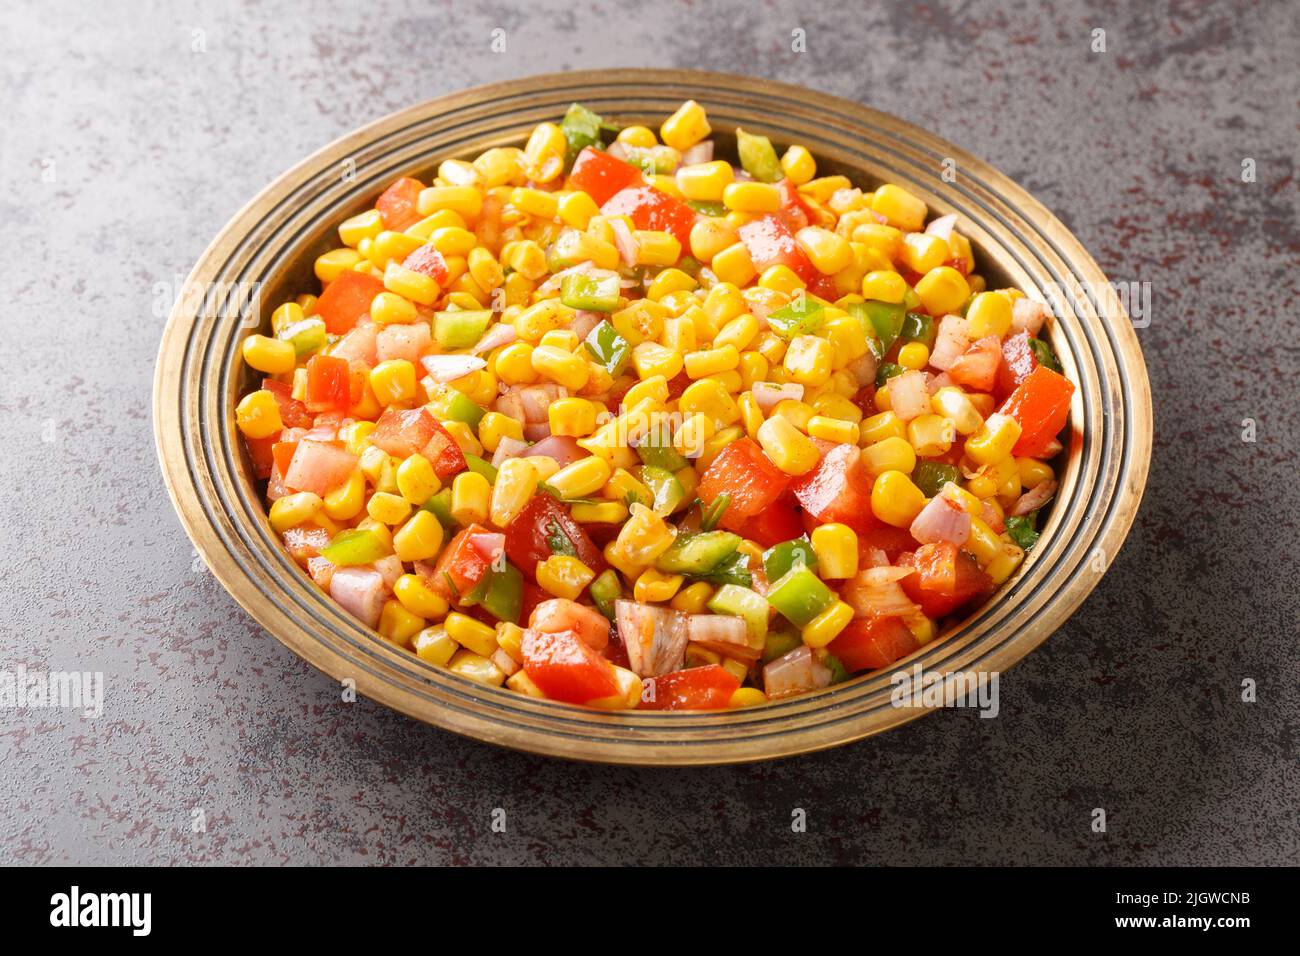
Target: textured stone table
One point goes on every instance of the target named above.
(133, 131)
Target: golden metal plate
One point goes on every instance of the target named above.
(269, 248)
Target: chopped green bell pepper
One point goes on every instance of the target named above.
(780, 558)
(742, 602)
(800, 317)
(733, 569)
(758, 157)
(886, 371)
(883, 320)
(592, 293)
(582, 128)
(698, 554)
(605, 590)
(918, 327)
(714, 210)
(449, 404)
(839, 673)
(461, 328)
(440, 507)
(355, 546)
(799, 596)
(656, 450)
(666, 488)
(1043, 352)
(931, 476)
(712, 513)
(500, 593)
(780, 643)
(485, 468)
(306, 336)
(608, 347)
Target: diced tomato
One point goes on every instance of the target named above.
(1041, 404)
(428, 261)
(870, 643)
(361, 345)
(347, 299)
(403, 432)
(824, 287)
(676, 385)
(778, 522)
(399, 204)
(770, 243)
(601, 175)
(794, 212)
(443, 453)
(893, 541)
(945, 579)
(697, 688)
(564, 667)
(1018, 361)
(319, 466)
(293, 413)
(748, 476)
(533, 596)
(282, 454)
(838, 489)
(329, 383)
(559, 614)
(462, 564)
(544, 523)
(261, 452)
(653, 210)
(977, 367)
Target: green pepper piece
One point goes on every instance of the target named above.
(1023, 529)
(461, 328)
(780, 558)
(592, 293)
(440, 507)
(712, 513)
(1043, 352)
(733, 569)
(758, 157)
(780, 643)
(500, 593)
(931, 476)
(666, 488)
(799, 596)
(884, 320)
(839, 673)
(742, 602)
(801, 317)
(485, 468)
(656, 450)
(705, 207)
(355, 546)
(910, 299)
(582, 128)
(306, 336)
(605, 590)
(608, 347)
(449, 404)
(918, 327)
(697, 554)
(886, 371)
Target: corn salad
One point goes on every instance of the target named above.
(610, 420)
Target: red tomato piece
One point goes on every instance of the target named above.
(778, 522)
(428, 261)
(282, 455)
(347, 299)
(794, 212)
(319, 466)
(676, 385)
(600, 175)
(558, 614)
(261, 452)
(697, 688)
(838, 489)
(748, 476)
(293, 413)
(653, 210)
(1041, 404)
(443, 452)
(533, 596)
(946, 579)
(1018, 361)
(870, 643)
(462, 565)
(360, 345)
(329, 383)
(399, 204)
(544, 522)
(770, 243)
(977, 367)
(403, 432)
(893, 541)
(564, 667)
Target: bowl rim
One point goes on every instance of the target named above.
(194, 477)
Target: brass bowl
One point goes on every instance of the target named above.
(269, 247)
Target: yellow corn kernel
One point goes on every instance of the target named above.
(737, 333)
(387, 508)
(668, 282)
(789, 449)
(709, 237)
(899, 207)
(521, 683)
(692, 433)
(733, 264)
(1005, 562)
(258, 414)
(656, 248)
(885, 242)
(808, 360)
(514, 364)
(515, 486)
(510, 638)
(895, 500)
(982, 401)
(798, 165)
(412, 285)
(526, 257)
(952, 403)
(710, 398)
(753, 368)
(366, 225)
(290, 511)
(622, 485)
(836, 405)
(914, 355)
(982, 486)
(1034, 472)
(602, 512)
(575, 417)
(989, 314)
(705, 182)
(922, 629)
(828, 252)
(484, 269)
(943, 290)
(398, 625)
(434, 645)
(652, 360)
(470, 497)
(751, 197)
(655, 387)
(583, 477)
(576, 209)
(746, 697)
(889, 454)
(499, 165)
(705, 362)
(655, 585)
(751, 415)
(879, 427)
(713, 447)
(443, 219)
(273, 356)
(330, 265)
(471, 634)
(884, 286)
(465, 201)
(494, 426)
(477, 668)
(463, 435)
(678, 335)
(983, 542)
(836, 547)
(641, 137)
(535, 202)
(630, 687)
(826, 626)
(645, 536)
(560, 366)
(642, 321)
(563, 339)
(345, 502)
(797, 413)
(1007, 475)
(693, 598)
(772, 347)
(418, 598)
(724, 302)
(389, 246)
(393, 382)
(821, 190)
(416, 480)
(833, 429)
(994, 441)
(930, 435)
(389, 308)
(285, 315)
(780, 279)
(686, 127)
(563, 576)
(453, 241)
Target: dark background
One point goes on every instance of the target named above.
(133, 131)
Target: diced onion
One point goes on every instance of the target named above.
(942, 520)
(908, 395)
(625, 241)
(699, 153)
(1034, 498)
(795, 673)
(768, 395)
(448, 368)
(950, 342)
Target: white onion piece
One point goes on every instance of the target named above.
(1028, 316)
(1053, 448)
(654, 637)
(864, 369)
(583, 322)
(768, 395)
(625, 241)
(537, 431)
(1034, 498)
(723, 634)
(942, 227)
(389, 568)
(508, 448)
(872, 558)
(950, 342)
(502, 333)
(699, 153)
(360, 592)
(448, 368)
(942, 520)
(617, 150)
(536, 400)
(908, 395)
(877, 591)
(795, 673)
(321, 571)
(563, 448)
(936, 382)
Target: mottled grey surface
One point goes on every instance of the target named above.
(133, 131)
